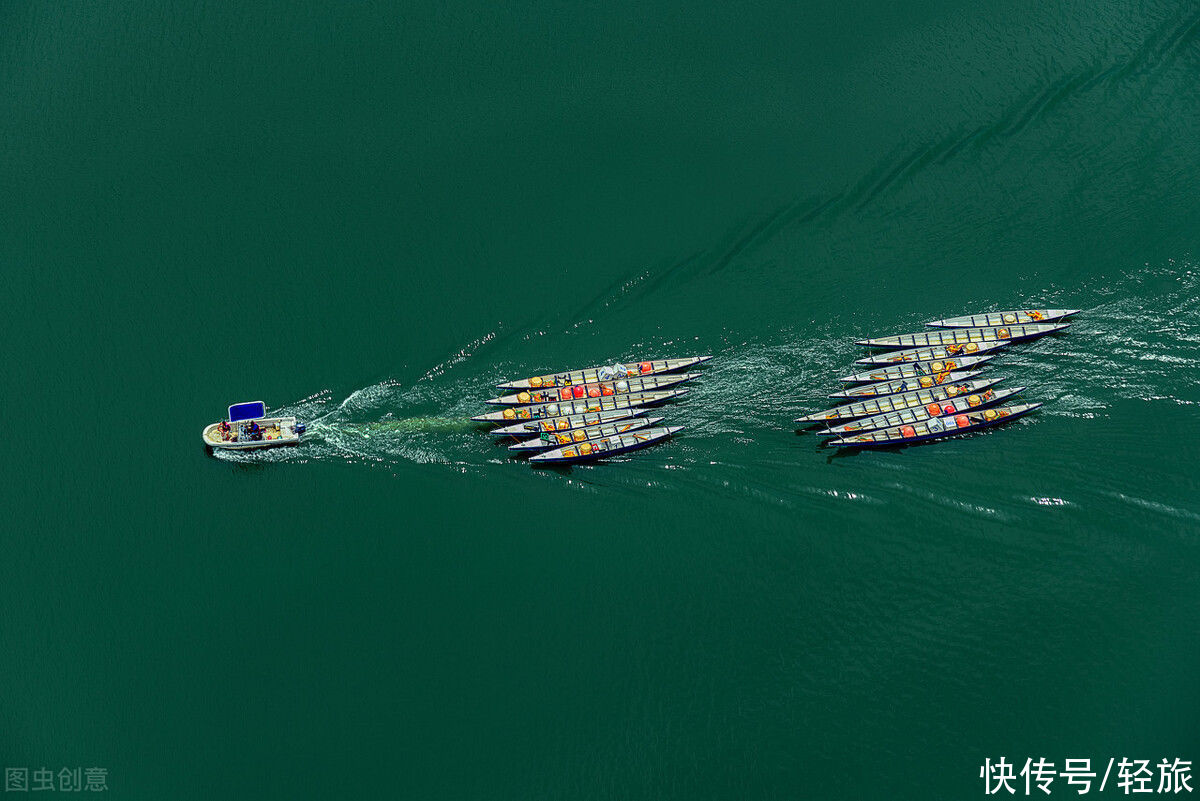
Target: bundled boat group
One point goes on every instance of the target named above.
(580, 415)
(927, 385)
(916, 387)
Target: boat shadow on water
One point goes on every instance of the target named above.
(834, 452)
(837, 452)
(564, 470)
(245, 466)
(822, 444)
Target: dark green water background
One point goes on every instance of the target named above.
(366, 214)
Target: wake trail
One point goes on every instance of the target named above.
(1136, 341)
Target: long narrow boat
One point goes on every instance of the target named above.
(608, 446)
(962, 336)
(591, 375)
(569, 422)
(930, 354)
(903, 385)
(936, 427)
(894, 403)
(916, 369)
(558, 439)
(538, 411)
(963, 403)
(600, 389)
(1016, 317)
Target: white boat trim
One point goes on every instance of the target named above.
(237, 436)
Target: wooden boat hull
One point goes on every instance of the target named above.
(591, 375)
(899, 385)
(514, 413)
(277, 432)
(964, 336)
(895, 403)
(948, 408)
(916, 369)
(528, 428)
(561, 439)
(935, 353)
(601, 389)
(604, 448)
(1015, 317)
(935, 428)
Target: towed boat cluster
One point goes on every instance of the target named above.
(927, 385)
(578, 415)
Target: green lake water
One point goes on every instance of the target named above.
(368, 214)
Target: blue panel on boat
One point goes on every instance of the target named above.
(247, 411)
